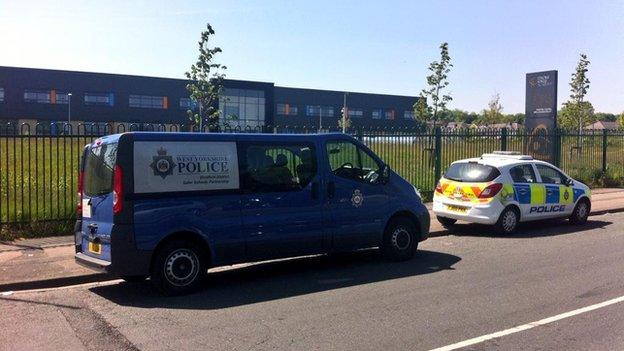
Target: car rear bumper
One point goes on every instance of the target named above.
(474, 213)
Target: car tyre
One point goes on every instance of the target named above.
(581, 212)
(508, 221)
(179, 267)
(400, 240)
(446, 222)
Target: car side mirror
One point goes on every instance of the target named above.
(569, 182)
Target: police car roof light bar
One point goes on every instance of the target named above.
(507, 154)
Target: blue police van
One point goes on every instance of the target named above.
(171, 205)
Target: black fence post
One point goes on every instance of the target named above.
(437, 165)
(557, 147)
(604, 151)
(504, 139)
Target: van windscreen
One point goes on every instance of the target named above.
(470, 172)
(98, 169)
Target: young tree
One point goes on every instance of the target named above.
(493, 114)
(567, 117)
(438, 81)
(422, 112)
(621, 120)
(205, 83)
(579, 84)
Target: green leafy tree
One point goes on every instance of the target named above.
(437, 82)
(576, 106)
(205, 83)
(621, 119)
(567, 117)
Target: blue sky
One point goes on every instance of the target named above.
(382, 47)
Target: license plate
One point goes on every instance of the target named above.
(95, 248)
(86, 208)
(457, 208)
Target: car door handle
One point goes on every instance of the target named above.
(331, 189)
(522, 192)
(549, 192)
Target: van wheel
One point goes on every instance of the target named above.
(446, 222)
(178, 268)
(400, 240)
(508, 221)
(581, 212)
(134, 278)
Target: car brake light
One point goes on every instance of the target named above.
(117, 190)
(80, 190)
(491, 190)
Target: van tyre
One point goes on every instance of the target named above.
(446, 222)
(581, 212)
(508, 221)
(400, 240)
(179, 267)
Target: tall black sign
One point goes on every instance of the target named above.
(541, 114)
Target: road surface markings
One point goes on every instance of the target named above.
(527, 326)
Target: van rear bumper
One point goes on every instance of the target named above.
(126, 259)
(92, 262)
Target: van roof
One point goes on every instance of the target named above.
(187, 136)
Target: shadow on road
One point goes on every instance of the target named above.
(277, 280)
(532, 229)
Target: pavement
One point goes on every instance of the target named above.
(551, 286)
(49, 262)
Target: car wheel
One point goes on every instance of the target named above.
(134, 278)
(178, 268)
(400, 240)
(446, 222)
(581, 212)
(508, 221)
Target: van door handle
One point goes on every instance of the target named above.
(315, 188)
(331, 189)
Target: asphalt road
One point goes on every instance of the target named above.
(459, 287)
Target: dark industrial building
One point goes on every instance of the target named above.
(43, 95)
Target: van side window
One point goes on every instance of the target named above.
(349, 161)
(277, 167)
(550, 175)
(522, 174)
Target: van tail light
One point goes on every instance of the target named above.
(117, 190)
(80, 191)
(490, 191)
(438, 188)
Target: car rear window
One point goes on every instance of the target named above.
(98, 169)
(471, 172)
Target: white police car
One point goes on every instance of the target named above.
(505, 188)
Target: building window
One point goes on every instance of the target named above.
(319, 111)
(242, 107)
(148, 101)
(59, 97)
(37, 96)
(355, 112)
(99, 99)
(409, 115)
(1, 94)
(376, 114)
(187, 104)
(287, 110)
(389, 114)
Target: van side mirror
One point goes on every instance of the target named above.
(385, 174)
